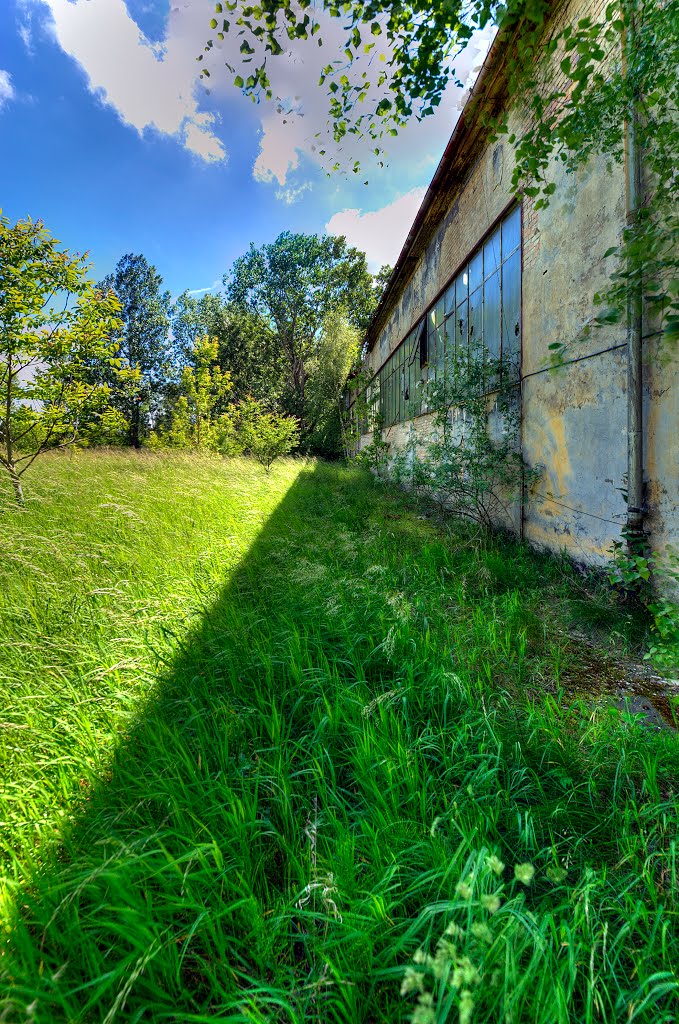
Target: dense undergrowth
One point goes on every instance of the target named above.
(267, 742)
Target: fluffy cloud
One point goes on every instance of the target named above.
(150, 85)
(379, 233)
(6, 88)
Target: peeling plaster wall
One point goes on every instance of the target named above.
(574, 417)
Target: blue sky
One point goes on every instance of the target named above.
(109, 137)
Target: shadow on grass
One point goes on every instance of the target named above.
(175, 892)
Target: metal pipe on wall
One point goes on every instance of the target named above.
(635, 436)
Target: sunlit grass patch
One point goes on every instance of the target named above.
(269, 737)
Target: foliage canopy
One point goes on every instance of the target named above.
(295, 284)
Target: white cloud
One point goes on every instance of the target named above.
(379, 233)
(25, 30)
(150, 85)
(209, 288)
(6, 88)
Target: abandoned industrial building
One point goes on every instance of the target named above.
(481, 263)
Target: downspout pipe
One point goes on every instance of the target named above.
(635, 436)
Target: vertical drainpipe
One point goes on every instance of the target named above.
(635, 440)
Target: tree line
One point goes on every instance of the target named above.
(259, 366)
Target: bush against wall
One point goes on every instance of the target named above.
(471, 463)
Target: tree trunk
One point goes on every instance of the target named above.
(16, 483)
(135, 439)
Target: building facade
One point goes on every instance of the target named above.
(481, 264)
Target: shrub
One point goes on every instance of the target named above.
(265, 435)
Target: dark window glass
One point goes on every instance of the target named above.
(491, 254)
(414, 376)
(475, 271)
(443, 345)
(491, 317)
(491, 323)
(511, 232)
(461, 328)
(430, 344)
(511, 315)
(395, 387)
(479, 311)
(449, 300)
(425, 345)
(476, 321)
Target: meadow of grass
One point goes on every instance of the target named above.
(278, 748)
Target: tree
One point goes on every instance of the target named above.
(143, 341)
(265, 435)
(381, 280)
(294, 284)
(337, 354)
(55, 331)
(246, 348)
(204, 389)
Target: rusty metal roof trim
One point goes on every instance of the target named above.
(488, 83)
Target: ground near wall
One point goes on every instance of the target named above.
(269, 742)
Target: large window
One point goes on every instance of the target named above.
(481, 307)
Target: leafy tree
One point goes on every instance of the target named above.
(295, 284)
(337, 354)
(266, 435)
(246, 348)
(55, 330)
(381, 279)
(143, 340)
(204, 389)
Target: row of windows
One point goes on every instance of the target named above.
(481, 307)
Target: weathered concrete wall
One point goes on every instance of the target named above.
(574, 417)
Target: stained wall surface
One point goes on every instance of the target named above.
(574, 416)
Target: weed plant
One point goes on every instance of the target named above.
(275, 748)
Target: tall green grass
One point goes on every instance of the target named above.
(267, 743)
